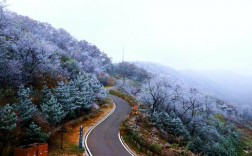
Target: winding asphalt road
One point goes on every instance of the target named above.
(104, 140)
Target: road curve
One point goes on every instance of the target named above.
(103, 140)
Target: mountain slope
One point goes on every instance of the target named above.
(230, 87)
(32, 50)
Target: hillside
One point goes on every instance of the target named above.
(184, 78)
(228, 86)
(32, 50)
(186, 113)
(47, 78)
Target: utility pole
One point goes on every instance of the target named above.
(122, 54)
(62, 135)
(124, 70)
(63, 130)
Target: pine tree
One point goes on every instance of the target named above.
(196, 145)
(52, 111)
(171, 124)
(65, 99)
(99, 91)
(25, 108)
(46, 94)
(78, 100)
(35, 133)
(85, 95)
(89, 96)
(7, 119)
(178, 128)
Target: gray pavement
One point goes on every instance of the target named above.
(103, 140)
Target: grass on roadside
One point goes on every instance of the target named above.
(71, 137)
(69, 148)
(132, 145)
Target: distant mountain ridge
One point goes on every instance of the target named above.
(219, 84)
(234, 87)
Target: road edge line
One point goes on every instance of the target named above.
(125, 145)
(93, 127)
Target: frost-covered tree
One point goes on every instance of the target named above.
(217, 138)
(176, 127)
(246, 114)
(52, 111)
(170, 124)
(208, 107)
(79, 93)
(25, 108)
(10, 71)
(208, 133)
(192, 103)
(46, 94)
(63, 95)
(34, 133)
(156, 93)
(128, 70)
(10, 68)
(2, 17)
(196, 145)
(88, 89)
(175, 100)
(34, 56)
(8, 125)
(8, 121)
(85, 94)
(32, 50)
(98, 90)
(82, 93)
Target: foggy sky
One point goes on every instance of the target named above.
(195, 34)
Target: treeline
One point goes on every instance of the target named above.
(47, 77)
(183, 116)
(129, 77)
(128, 70)
(38, 112)
(33, 53)
(189, 118)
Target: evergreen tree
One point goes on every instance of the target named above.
(34, 133)
(78, 99)
(196, 145)
(89, 97)
(177, 128)
(52, 110)
(25, 108)
(85, 94)
(65, 99)
(46, 94)
(172, 125)
(99, 91)
(7, 121)
(218, 149)
(85, 89)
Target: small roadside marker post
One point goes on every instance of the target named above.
(81, 137)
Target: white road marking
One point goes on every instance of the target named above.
(93, 127)
(125, 145)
